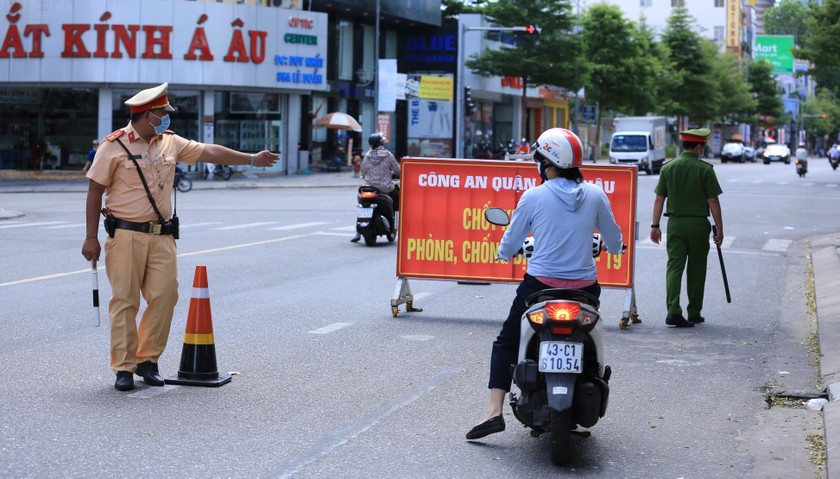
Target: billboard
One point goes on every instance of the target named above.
(443, 233)
(777, 50)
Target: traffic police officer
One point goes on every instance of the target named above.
(692, 189)
(140, 249)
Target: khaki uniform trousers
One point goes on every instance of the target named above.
(687, 242)
(138, 263)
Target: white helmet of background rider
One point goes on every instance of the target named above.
(559, 146)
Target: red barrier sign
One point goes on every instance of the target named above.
(444, 235)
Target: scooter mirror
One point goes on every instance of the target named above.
(497, 216)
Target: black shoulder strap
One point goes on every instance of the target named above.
(143, 180)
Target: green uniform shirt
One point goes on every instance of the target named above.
(688, 182)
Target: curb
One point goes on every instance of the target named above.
(826, 264)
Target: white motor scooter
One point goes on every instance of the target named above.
(561, 371)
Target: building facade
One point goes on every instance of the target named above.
(251, 75)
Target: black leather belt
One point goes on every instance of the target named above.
(150, 227)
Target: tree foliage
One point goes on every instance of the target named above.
(819, 45)
(544, 59)
(766, 92)
(787, 18)
(738, 104)
(609, 52)
(692, 58)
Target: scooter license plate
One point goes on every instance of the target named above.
(561, 357)
(365, 212)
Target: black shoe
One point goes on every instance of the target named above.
(678, 321)
(697, 319)
(356, 239)
(490, 426)
(125, 381)
(149, 372)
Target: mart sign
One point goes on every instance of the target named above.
(777, 50)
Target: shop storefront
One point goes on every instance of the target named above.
(238, 75)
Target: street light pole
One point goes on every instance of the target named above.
(460, 111)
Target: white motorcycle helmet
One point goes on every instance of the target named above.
(559, 146)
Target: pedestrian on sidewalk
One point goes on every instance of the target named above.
(692, 190)
(134, 168)
(90, 156)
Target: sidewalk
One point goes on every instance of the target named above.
(825, 259)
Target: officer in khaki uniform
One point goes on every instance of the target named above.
(140, 257)
(692, 190)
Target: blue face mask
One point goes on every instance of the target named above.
(164, 124)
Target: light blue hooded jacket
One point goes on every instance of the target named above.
(562, 215)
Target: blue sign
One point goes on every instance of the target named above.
(589, 113)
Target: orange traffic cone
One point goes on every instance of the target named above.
(198, 358)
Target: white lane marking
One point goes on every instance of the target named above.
(831, 185)
(418, 337)
(246, 225)
(193, 225)
(336, 439)
(421, 295)
(776, 244)
(327, 233)
(72, 225)
(782, 182)
(330, 328)
(243, 245)
(344, 228)
(39, 278)
(297, 226)
(41, 223)
(727, 241)
(213, 250)
(149, 393)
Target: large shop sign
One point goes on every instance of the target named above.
(126, 41)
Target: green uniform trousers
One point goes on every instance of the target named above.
(687, 241)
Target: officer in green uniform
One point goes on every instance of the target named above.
(692, 189)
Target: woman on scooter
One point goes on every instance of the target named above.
(378, 169)
(562, 214)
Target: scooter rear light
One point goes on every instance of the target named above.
(562, 311)
(561, 330)
(367, 194)
(537, 317)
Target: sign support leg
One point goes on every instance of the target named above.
(402, 295)
(630, 314)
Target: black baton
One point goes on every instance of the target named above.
(722, 267)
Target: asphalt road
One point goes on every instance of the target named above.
(328, 384)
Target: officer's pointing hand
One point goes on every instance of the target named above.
(266, 158)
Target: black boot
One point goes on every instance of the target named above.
(125, 381)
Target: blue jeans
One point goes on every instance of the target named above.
(506, 347)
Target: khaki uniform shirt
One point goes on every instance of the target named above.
(124, 192)
(688, 183)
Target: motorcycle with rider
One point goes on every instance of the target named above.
(378, 200)
(551, 344)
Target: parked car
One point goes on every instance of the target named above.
(749, 154)
(732, 151)
(776, 152)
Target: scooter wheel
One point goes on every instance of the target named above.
(395, 311)
(623, 324)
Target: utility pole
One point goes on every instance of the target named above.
(460, 116)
